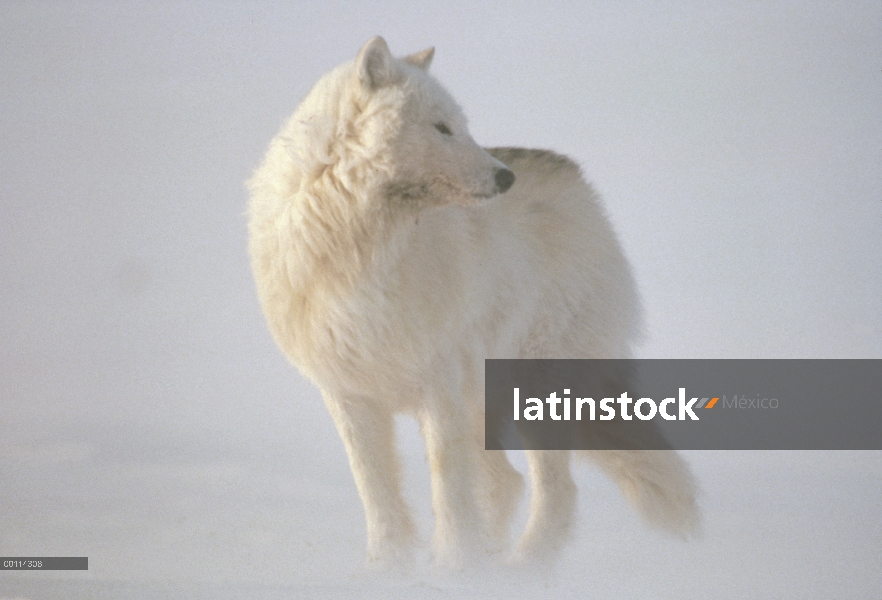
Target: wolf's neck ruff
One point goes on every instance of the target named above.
(317, 247)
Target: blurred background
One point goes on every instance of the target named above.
(147, 419)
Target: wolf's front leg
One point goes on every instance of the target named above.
(459, 529)
(368, 432)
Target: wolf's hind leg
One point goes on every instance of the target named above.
(500, 489)
(552, 505)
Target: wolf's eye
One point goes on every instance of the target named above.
(443, 128)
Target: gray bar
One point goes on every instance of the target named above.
(689, 404)
(44, 563)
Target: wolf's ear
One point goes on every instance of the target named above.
(374, 65)
(421, 59)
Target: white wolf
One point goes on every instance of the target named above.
(392, 255)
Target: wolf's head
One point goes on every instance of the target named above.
(386, 128)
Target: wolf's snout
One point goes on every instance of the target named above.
(504, 180)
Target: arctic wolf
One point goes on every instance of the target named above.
(392, 255)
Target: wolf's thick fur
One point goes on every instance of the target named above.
(389, 266)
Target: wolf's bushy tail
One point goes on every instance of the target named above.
(656, 483)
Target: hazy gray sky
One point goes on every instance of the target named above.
(738, 147)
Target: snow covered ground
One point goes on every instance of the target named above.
(199, 522)
(148, 422)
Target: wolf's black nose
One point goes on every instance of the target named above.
(504, 179)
